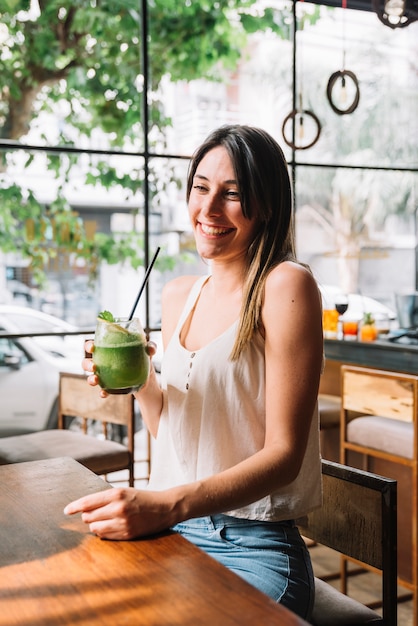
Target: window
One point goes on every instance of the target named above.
(83, 149)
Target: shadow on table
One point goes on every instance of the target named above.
(40, 543)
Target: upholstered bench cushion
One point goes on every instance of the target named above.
(333, 608)
(100, 456)
(381, 433)
(329, 410)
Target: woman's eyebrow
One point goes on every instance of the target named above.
(231, 181)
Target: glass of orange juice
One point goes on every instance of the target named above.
(330, 319)
(350, 330)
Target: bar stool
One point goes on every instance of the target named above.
(329, 408)
(384, 439)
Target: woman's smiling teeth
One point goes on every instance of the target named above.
(211, 230)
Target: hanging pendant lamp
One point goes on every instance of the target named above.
(302, 124)
(299, 117)
(396, 13)
(342, 79)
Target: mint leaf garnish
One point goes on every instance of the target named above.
(107, 316)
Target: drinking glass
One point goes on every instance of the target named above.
(330, 323)
(120, 355)
(341, 306)
(382, 323)
(350, 329)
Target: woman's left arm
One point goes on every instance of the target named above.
(292, 316)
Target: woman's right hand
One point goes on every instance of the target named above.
(88, 366)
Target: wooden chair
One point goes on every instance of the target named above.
(358, 519)
(384, 439)
(100, 455)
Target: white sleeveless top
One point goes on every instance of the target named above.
(213, 417)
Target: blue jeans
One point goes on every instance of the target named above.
(271, 556)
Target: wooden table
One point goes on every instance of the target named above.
(53, 571)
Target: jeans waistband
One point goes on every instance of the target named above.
(220, 520)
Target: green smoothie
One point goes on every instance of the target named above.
(122, 363)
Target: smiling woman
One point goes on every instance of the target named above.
(236, 452)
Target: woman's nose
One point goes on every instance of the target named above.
(211, 205)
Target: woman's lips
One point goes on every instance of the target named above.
(214, 230)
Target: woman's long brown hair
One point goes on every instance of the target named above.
(265, 193)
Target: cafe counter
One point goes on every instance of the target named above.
(383, 354)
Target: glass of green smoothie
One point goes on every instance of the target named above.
(120, 355)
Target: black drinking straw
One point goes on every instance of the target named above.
(144, 282)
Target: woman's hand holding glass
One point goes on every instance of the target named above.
(90, 367)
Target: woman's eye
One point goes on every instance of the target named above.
(232, 193)
(199, 187)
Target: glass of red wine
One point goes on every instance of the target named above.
(341, 306)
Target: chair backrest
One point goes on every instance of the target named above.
(358, 519)
(377, 392)
(387, 406)
(79, 399)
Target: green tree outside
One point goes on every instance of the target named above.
(86, 54)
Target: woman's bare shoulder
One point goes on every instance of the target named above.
(288, 274)
(290, 285)
(178, 288)
(292, 308)
(174, 297)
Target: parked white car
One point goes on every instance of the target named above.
(29, 368)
